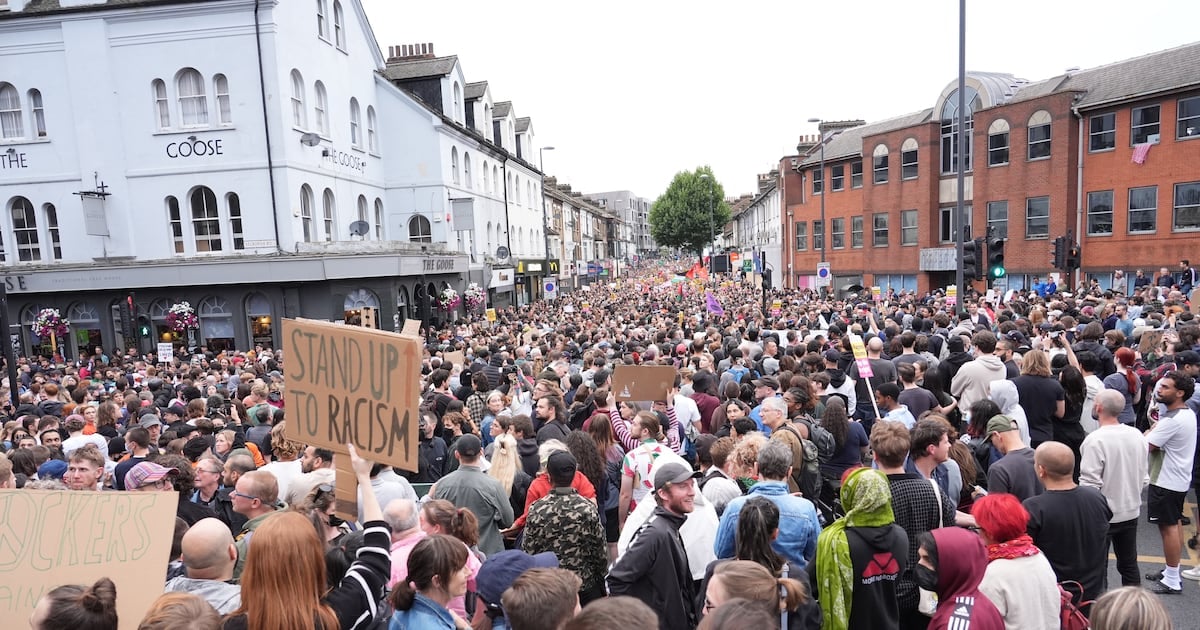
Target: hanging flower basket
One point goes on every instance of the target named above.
(448, 300)
(181, 317)
(49, 322)
(475, 296)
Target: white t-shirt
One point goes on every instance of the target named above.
(1094, 386)
(1175, 434)
(686, 412)
(72, 444)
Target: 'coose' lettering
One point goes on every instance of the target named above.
(194, 148)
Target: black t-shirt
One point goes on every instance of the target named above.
(122, 469)
(1039, 396)
(918, 400)
(1070, 527)
(882, 371)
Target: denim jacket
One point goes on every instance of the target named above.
(798, 524)
(425, 614)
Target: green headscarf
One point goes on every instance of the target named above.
(867, 497)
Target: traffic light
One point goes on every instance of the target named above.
(1059, 261)
(995, 255)
(972, 259)
(1073, 257)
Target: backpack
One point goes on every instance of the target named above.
(807, 476)
(1070, 615)
(823, 439)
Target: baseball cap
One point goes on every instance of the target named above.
(52, 469)
(767, 381)
(561, 465)
(1187, 357)
(468, 445)
(177, 409)
(833, 356)
(146, 473)
(673, 472)
(1001, 424)
(500, 570)
(149, 420)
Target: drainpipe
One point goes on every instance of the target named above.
(262, 84)
(1079, 186)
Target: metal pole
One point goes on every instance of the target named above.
(960, 218)
(10, 358)
(545, 222)
(823, 230)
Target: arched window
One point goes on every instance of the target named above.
(37, 113)
(193, 104)
(454, 165)
(52, 231)
(339, 30)
(496, 179)
(25, 230)
(372, 140)
(1039, 135)
(487, 235)
(306, 213)
(235, 221)
(487, 182)
(419, 230)
(998, 142)
(322, 21)
(206, 219)
(175, 220)
(880, 164)
(221, 91)
(216, 324)
(299, 116)
(908, 159)
(258, 315)
(355, 124)
(360, 298)
(162, 107)
(486, 126)
(362, 214)
(457, 113)
(378, 219)
(328, 205)
(11, 125)
(321, 109)
(950, 115)
(85, 327)
(467, 170)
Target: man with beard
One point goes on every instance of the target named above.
(552, 414)
(316, 468)
(1172, 442)
(655, 567)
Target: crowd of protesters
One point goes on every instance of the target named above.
(987, 460)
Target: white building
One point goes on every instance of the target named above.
(251, 158)
(756, 229)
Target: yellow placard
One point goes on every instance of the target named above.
(856, 345)
(491, 315)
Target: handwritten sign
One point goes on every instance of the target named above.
(642, 382)
(491, 315)
(166, 352)
(411, 327)
(48, 539)
(347, 384)
(454, 358)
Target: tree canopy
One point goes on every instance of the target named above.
(680, 217)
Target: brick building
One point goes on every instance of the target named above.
(1104, 154)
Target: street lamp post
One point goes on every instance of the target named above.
(822, 145)
(545, 220)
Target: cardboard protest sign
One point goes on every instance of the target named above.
(411, 327)
(345, 489)
(1151, 343)
(346, 384)
(642, 382)
(454, 358)
(48, 539)
(166, 352)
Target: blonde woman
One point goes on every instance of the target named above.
(744, 457)
(1130, 607)
(506, 468)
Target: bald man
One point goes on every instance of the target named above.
(209, 555)
(402, 517)
(1068, 522)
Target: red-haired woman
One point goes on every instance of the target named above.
(1124, 380)
(284, 584)
(1019, 579)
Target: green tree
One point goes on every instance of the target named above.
(690, 212)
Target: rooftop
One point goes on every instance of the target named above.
(404, 69)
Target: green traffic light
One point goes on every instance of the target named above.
(998, 272)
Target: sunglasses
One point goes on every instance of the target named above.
(248, 497)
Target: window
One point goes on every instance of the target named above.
(837, 233)
(1039, 135)
(362, 213)
(908, 227)
(838, 177)
(818, 180)
(998, 143)
(1102, 132)
(801, 236)
(25, 230)
(235, 221)
(339, 32)
(52, 231)
(997, 218)
(880, 164)
(856, 174)
(946, 223)
(306, 213)
(221, 90)
(378, 219)
(1187, 207)
(496, 179)
(372, 137)
(1100, 213)
(419, 230)
(908, 159)
(1144, 124)
(11, 125)
(321, 109)
(175, 219)
(38, 112)
(454, 165)
(299, 116)
(1037, 217)
(193, 104)
(950, 129)
(206, 220)
(355, 124)
(328, 205)
(879, 225)
(1143, 210)
(162, 108)
(457, 113)
(467, 170)
(856, 232)
(818, 235)
(1188, 125)
(487, 182)
(322, 23)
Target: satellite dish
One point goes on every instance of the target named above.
(360, 228)
(310, 139)
(502, 253)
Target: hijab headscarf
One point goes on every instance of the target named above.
(867, 497)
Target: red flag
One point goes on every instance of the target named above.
(1140, 151)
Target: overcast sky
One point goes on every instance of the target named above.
(632, 92)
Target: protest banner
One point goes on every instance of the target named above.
(863, 364)
(642, 382)
(411, 327)
(454, 358)
(166, 352)
(49, 539)
(491, 315)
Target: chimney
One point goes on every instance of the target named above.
(806, 144)
(409, 52)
